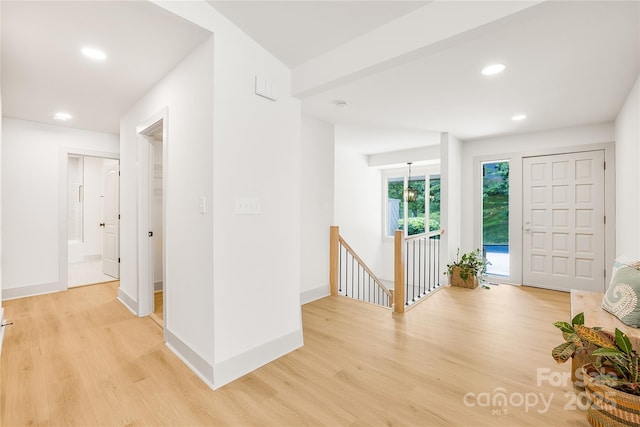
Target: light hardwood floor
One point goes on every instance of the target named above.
(80, 358)
(158, 310)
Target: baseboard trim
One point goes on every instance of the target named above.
(127, 301)
(32, 290)
(193, 360)
(1, 328)
(315, 294)
(157, 286)
(242, 364)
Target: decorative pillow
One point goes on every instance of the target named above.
(624, 260)
(622, 297)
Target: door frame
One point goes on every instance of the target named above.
(145, 212)
(516, 203)
(63, 207)
(515, 212)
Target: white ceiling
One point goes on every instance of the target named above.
(566, 66)
(568, 63)
(297, 31)
(43, 70)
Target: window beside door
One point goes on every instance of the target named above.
(495, 216)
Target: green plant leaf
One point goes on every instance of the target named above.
(634, 367)
(571, 337)
(563, 352)
(623, 342)
(607, 352)
(578, 319)
(564, 327)
(597, 338)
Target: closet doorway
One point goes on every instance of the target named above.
(152, 152)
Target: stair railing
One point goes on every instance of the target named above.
(351, 277)
(416, 268)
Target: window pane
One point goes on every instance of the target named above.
(495, 216)
(415, 211)
(434, 202)
(395, 205)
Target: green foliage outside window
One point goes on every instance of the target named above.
(434, 203)
(495, 204)
(416, 209)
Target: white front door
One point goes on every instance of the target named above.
(563, 221)
(111, 222)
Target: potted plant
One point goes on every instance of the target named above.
(612, 379)
(466, 270)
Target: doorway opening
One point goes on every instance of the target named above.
(495, 217)
(92, 220)
(151, 220)
(157, 221)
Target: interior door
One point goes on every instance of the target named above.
(111, 222)
(563, 221)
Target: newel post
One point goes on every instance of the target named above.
(398, 272)
(334, 247)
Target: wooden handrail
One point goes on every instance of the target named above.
(396, 297)
(364, 267)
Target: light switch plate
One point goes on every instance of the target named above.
(265, 88)
(247, 206)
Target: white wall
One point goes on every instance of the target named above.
(358, 204)
(450, 197)
(514, 148)
(627, 134)
(244, 298)
(31, 210)
(256, 257)
(317, 160)
(187, 92)
(1, 309)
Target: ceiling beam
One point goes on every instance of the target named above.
(399, 41)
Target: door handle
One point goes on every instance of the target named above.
(151, 234)
(102, 224)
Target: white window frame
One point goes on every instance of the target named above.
(427, 171)
(515, 213)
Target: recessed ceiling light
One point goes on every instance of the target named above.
(342, 104)
(493, 69)
(61, 117)
(518, 117)
(92, 53)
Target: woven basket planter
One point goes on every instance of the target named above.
(456, 280)
(609, 407)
